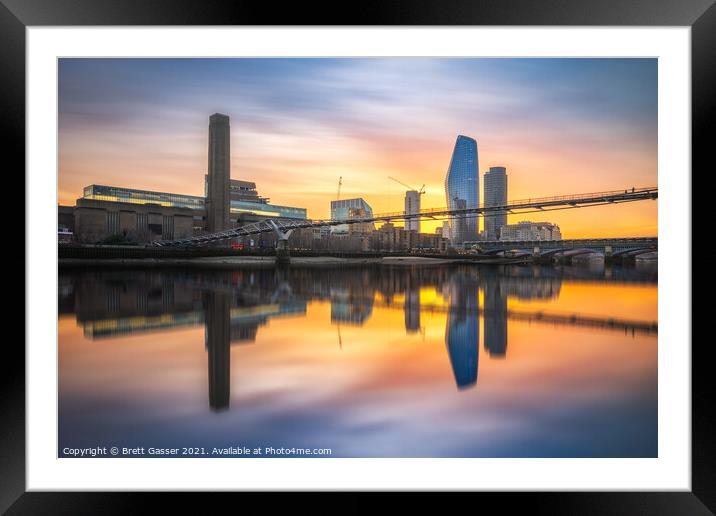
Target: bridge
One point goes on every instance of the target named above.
(609, 247)
(284, 227)
(560, 319)
(284, 294)
(100, 328)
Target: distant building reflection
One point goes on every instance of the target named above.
(350, 307)
(114, 304)
(412, 310)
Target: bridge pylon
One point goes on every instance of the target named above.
(608, 254)
(283, 257)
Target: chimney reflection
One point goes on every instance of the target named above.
(217, 336)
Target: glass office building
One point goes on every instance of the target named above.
(349, 208)
(129, 195)
(266, 209)
(118, 194)
(462, 189)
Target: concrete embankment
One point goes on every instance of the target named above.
(244, 262)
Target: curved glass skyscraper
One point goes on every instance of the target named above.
(462, 189)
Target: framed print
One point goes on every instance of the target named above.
(414, 250)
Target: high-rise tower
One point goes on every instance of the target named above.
(462, 188)
(412, 206)
(495, 195)
(217, 194)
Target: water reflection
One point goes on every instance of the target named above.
(462, 333)
(496, 321)
(234, 306)
(218, 337)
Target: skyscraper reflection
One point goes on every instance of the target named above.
(462, 331)
(495, 314)
(412, 310)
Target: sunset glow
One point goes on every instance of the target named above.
(559, 126)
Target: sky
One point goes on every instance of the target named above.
(559, 126)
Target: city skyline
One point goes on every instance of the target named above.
(300, 124)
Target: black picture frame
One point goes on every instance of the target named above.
(17, 15)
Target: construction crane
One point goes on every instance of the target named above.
(340, 182)
(421, 191)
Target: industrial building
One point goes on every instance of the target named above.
(145, 216)
(117, 214)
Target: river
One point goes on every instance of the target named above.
(434, 361)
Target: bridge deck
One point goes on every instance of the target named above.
(574, 243)
(519, 206)
(107, 328)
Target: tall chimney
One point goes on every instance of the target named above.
(217, 195)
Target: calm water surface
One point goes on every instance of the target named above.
(447, 361)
